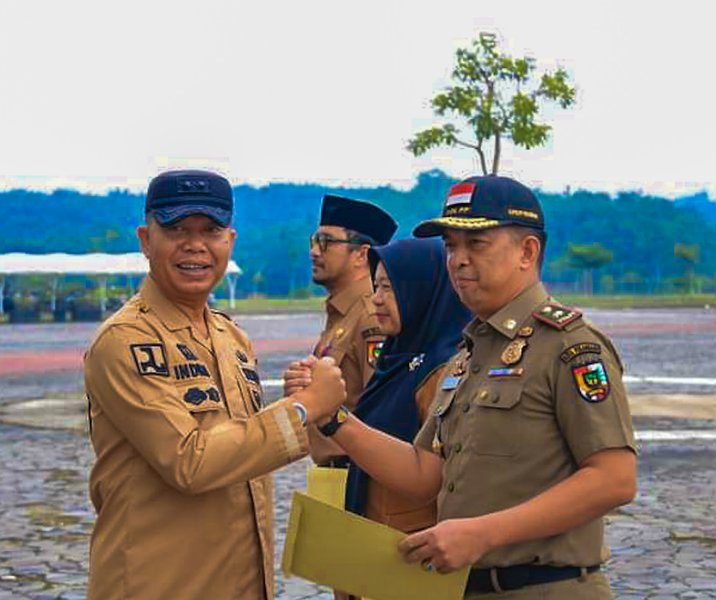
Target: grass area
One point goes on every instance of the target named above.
(273, 305)
(315, 304)
(640, 301)
(249, 306)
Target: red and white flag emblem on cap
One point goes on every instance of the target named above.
(460, 193)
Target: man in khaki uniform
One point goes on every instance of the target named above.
(339, 257)
(183, 443)
(530, 441)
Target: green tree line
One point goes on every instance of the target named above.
(631, 242)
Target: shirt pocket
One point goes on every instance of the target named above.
(495, 421)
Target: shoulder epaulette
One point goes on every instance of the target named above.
(556, 315)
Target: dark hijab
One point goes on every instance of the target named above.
(432, 318)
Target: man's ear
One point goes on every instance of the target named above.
(531, 247)
(360, 256)
(143, 235)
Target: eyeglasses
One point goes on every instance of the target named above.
(324, 239)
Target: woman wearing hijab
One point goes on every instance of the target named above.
(423, 318)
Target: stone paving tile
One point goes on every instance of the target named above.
(663, 544)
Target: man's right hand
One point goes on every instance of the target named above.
(325, 393)
(296, 377)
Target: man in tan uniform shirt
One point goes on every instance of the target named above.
(183, 443)
(339, 257)
(530, 441)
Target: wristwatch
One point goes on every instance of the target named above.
(302, 412)
(335, 423)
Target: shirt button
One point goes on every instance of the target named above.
(465, 407)
(483, 394)
(458, 447)
(451, 487)
(475, 368)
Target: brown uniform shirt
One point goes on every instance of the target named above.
(399, 512)
(352, 337)
(184, 505)
(520, 408)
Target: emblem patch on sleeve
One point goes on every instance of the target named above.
(374, 349)
(592, 381)
(150, 359)
(577, 349)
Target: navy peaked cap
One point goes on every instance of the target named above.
(366, 219)
(174, 195)
(485, 202)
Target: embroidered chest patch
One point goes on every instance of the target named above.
(592, 381)
(150, 359)
(373, 350)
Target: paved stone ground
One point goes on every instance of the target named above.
(663, 545)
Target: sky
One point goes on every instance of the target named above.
(98, 94)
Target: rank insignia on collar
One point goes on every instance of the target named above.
(592, 381)
(373, 349)
(415, 362)
(556, 315)
(513, 353)
(339, 333)
(513, 372)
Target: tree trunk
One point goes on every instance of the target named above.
(496, 157)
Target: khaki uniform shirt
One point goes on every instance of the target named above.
(352, 337)
(521, 407)
(184, 505)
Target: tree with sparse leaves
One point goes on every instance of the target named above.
(587, 258)
(498, 98)
(690, 255)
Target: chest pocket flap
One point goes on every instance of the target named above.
(498, 397)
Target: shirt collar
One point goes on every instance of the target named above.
(346, 298)
(513, 315)
(167, 312)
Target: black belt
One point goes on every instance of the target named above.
(480, 581)
(340, 462)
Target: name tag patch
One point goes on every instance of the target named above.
(190, 370)
(450, 382)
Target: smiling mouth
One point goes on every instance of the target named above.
(193, 267)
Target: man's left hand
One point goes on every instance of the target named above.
(448, 546)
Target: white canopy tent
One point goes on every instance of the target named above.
(101, 265)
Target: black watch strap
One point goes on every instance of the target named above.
(335, 423)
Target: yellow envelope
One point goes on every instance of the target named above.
(341, 550)
(327, 485)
